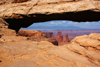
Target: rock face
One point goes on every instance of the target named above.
(59, 34)
(66, 38)
(60, 39)
(33, 6)
(31, 33)
(12, 1)
(4, 28)
(87, 46)
(23, 13)
(38, 39)
(38, 36)
(3, 24)
(48, 34)
(17, 51)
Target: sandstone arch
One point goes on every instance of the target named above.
(27, 12)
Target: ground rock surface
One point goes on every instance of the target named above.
(17, 51)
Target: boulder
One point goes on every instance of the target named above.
(87, 46)
(38, 39)
(4, 30)
(31, 33)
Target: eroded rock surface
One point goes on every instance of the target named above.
(23, 13)
(87, 46)
(18, 8)
(37, 36)
(4, 28)
(31, 33)
(20, 52)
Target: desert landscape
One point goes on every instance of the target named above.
(48, 48)
(31, 48)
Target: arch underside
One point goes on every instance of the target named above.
(26, 21)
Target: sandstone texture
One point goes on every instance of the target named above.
(21, 51)
(4, 28)
(87, 46)
(23, 13)
(60, 39)
(66, 38)
(37, 36)
(31, 33)
(38, 39)
(17, 51)
(16, 8)
(49, 34)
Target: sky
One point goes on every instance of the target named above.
(88, 25)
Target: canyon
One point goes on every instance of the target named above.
(17, 50)
(23, 11)
(34, 49)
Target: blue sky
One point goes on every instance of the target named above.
(88, 25)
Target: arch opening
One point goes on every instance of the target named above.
(16, 23)
(64, 31)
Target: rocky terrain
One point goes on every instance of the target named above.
(19, 51)
(23, 13)
(72, 33)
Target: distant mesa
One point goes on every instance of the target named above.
(38, 36)
(56, 27)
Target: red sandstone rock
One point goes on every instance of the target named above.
(4, 28)
(48, 34)
(60, 39)
(38, 39)
(66, 38)
(52, 36)
(17, 51)
(59, 34)
(31, 33)
(22, 53)
(38, 36)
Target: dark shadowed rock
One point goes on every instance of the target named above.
(4, 30)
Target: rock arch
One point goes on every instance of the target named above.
(28, 12)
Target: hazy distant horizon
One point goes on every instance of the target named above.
(65, 25)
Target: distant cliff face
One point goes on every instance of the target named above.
(31, 33)
(49, 34)
(62, 39)
(38, 36)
